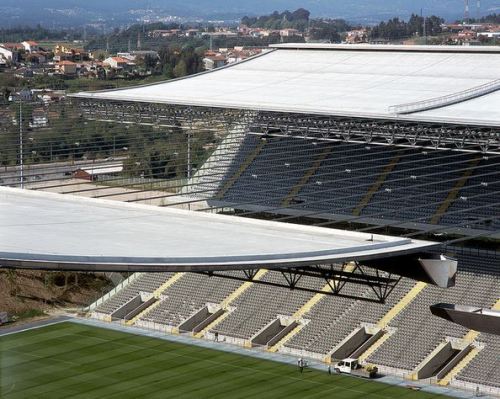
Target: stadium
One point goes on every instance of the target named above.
(317, 202)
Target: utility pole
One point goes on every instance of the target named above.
(466, 12)
(424, 27)
(21, 158)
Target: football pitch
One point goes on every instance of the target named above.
(71, 360)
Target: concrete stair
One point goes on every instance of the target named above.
(390, 315)
(243, 166)
(362, 358)
(414, 375)
(305, 178)
(459, 367)
(156, 294)
(298, 315)
(378, 183)
(286, 338)
(453, 194)
(167, 284)
(401, 305)
(229, 299)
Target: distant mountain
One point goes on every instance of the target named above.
(117, 12)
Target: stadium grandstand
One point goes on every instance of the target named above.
(314, 200)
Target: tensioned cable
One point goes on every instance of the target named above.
(151, 175)
(225, 172)
(286, 179)
(355, 178)
(473, 237)
(178, 165)
(454, 226)
(390, 211)
(369, 184)
(434, 157)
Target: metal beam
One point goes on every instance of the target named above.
(486, 138)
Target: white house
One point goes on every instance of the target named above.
(7, 54)
(39, 118)
(117, 62)
(30, 46)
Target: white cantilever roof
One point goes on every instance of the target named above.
(341, 80)
(51, 231)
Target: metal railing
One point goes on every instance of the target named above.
(449, 99)
(115, 290)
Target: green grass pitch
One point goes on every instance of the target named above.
(71, 360)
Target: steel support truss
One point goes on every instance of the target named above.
(318, 127)
(336, 277)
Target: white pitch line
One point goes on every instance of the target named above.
(32, 328)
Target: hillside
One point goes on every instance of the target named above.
(116, 12)
(28, 291)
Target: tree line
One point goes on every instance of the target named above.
(298, 19)
(151, 152)
(487, 19)
(396, 28)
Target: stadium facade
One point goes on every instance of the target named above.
(402, 141)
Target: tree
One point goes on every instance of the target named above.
(180, 69)
(298, 19)
(395, 29)
(150, 61)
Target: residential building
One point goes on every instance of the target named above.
(289, 33)
(30, 46)
(63, 52)
(9, 52)
(214, 61)
(357, 36)
(67, 68)
(39, 118)
(117, 62)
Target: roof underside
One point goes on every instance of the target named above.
(46, 230)
(353, 81)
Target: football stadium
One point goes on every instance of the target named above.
(311, 207)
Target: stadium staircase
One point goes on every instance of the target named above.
(305, 178)
(414, 376)
(390, 315)
(469, 338)
(459, 367)
(297, 316)
(453, 194)
(243, 166)
(226, 303)
(403, 303)
(156, 294)
(378, 183)
(205, 181)
(115, 290)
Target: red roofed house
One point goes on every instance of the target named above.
(67, 68)
(117, 62)
(214, 61)
(30, 46)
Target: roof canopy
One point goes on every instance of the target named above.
(460, 84)
(53, 231)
